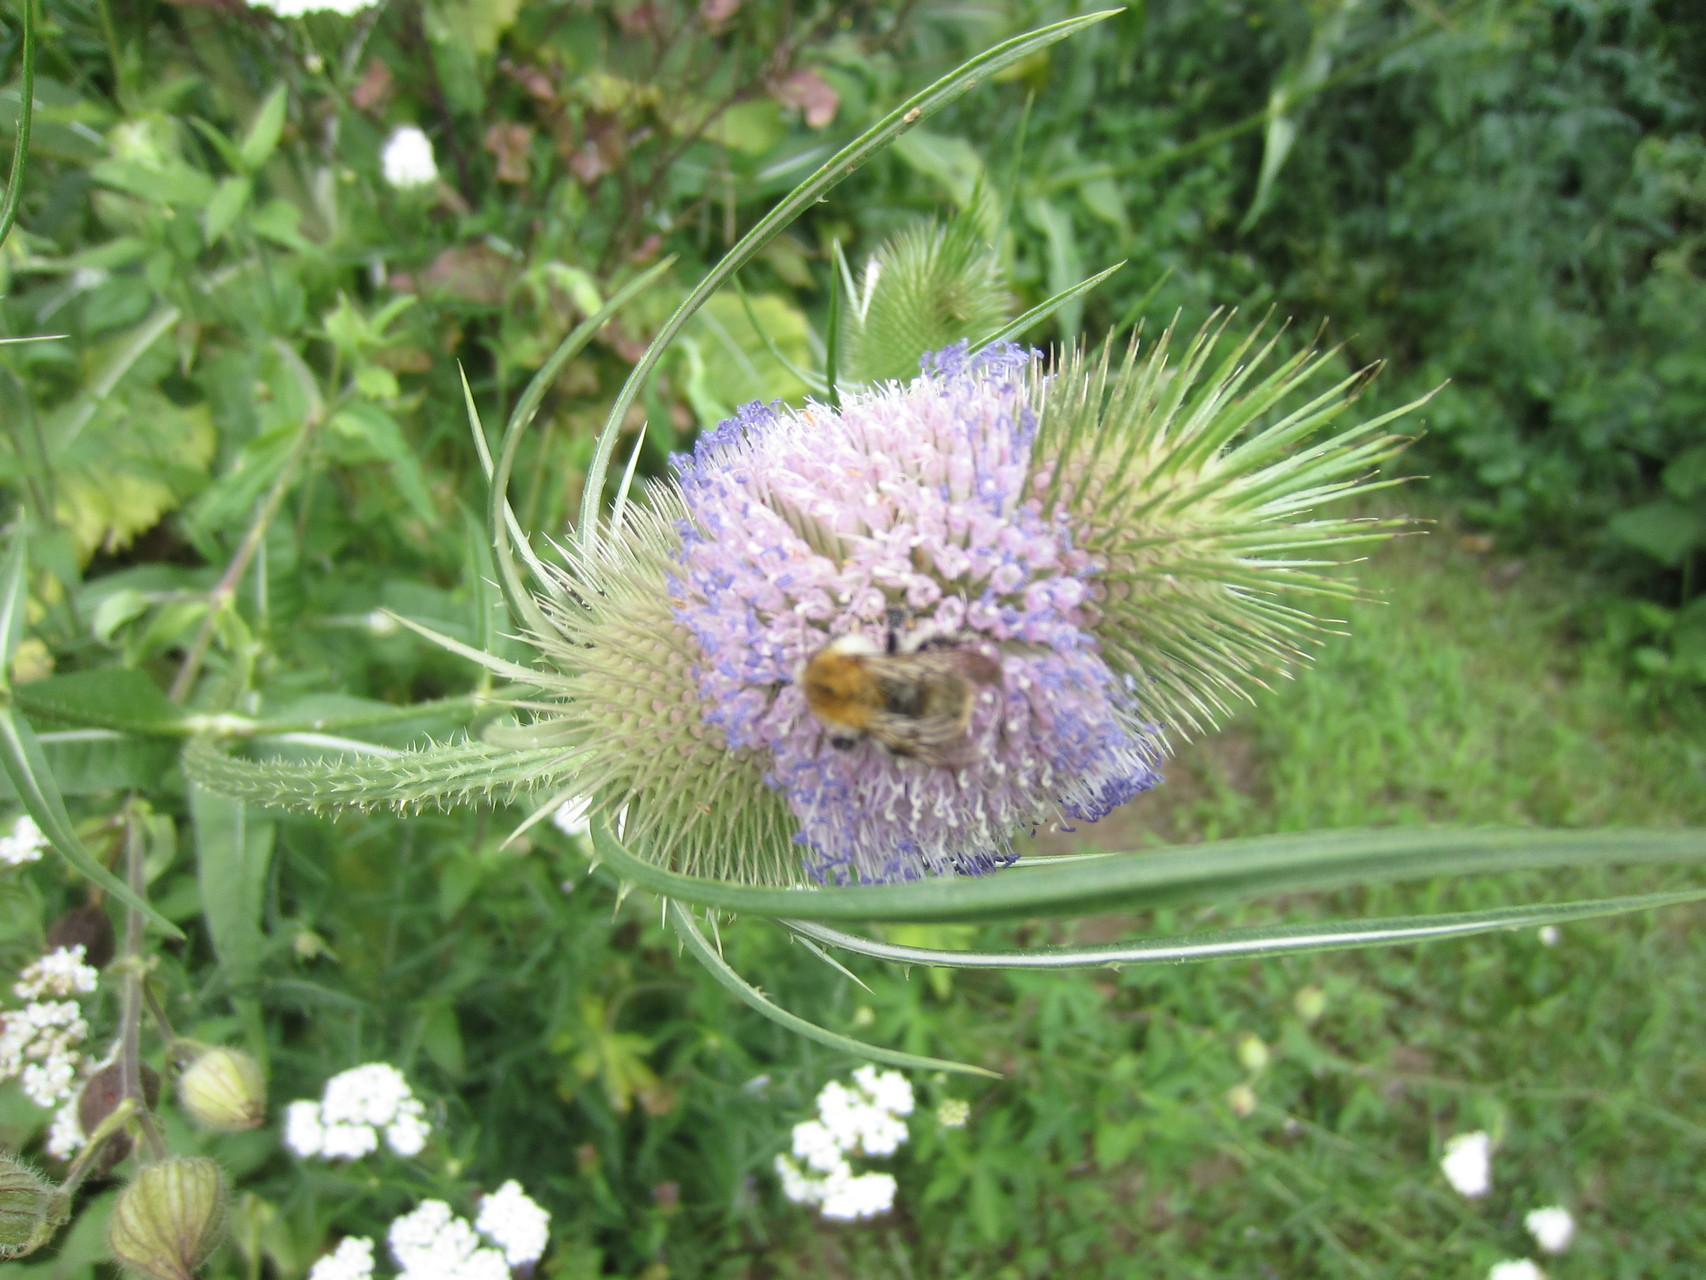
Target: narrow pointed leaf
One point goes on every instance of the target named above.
(1266, 940)
(682, 920)
(26, 768)
(1043, 310)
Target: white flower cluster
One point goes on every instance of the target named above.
(516, 1223)
(867, 1120)
(1468, 1166)
(61, 972)
(355, 1106)
(407, 159)
(351, 1260)
(296, 8)
(23, 843)
(39, 1044)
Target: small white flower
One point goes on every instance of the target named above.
(572, 816)
(1519, 1269)
(65, 1137)
(1548, 935)
(513, 1221)
(348, 1141)
(886, 1089)
(407, 159)
(797, 1185)
(1552, 1228)
(407, 1134)
(369, 1094)
(952, 1113)
(61, 972)
(351, 1260)
(863, 1195)
(23, 843)
(38, 1045)
(1468, 1163)
(818, 1147)
(303, 1132)
(431, 1243)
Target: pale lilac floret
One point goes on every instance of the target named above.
(810, 525)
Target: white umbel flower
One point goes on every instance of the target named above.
(862, 1119)
(515, 1223)
(351, 1260)
(1552, 1228)
(23, 843)
(39, 1046)
(1468, 1164)
(61, 972)
(1516, 1269)
(356, 1107)
(407, 160)
(432, 1243)
(855, 1196)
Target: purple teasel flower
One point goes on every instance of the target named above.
(916, 508)
(1108, 554)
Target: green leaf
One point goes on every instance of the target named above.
(263, 135)
(233, 850)
(1043, 310)
(1665, 531)
(27, 769)
(229, 200)
(87, 762)
(369, 434)
(1266, 940)
(119, 698)
(1065, 261)
(952, 163)
(1218, 871)
(682, 921)
(14, 606)
(1685, 475)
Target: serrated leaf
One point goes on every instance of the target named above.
(26, 767)
(120, 698)
(233, 853)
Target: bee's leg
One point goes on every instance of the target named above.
(897, 617)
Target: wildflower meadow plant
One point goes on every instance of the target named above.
(848, 653)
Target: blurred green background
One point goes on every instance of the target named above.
(1504, 196)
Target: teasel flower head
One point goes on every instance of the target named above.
(1108, 547)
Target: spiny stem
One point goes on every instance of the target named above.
(130, 1015)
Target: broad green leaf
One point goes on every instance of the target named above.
(36, 788)
(86, 762)
(233, 850)
(1065, 261)
(952, 163)
(119, 698)
(751, 127)
(263, 135)
(1666, 531)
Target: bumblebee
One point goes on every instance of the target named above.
(916, 704)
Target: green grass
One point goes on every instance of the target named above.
(1111, 1149)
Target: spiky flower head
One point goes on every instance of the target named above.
(1104, 548)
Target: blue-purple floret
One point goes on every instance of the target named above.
(807, 526)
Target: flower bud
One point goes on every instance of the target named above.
(224, 1090)
(1241, 1098)
(167, 1222)
(1252, 1052)
(28, 1213)
(89, 926)
(1310, 1003)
